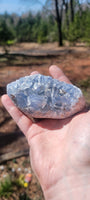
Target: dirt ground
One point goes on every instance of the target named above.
(15, 169)
(22, 60)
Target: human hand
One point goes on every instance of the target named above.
(59, 150)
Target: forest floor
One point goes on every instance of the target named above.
(22, 60)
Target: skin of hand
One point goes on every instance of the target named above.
(59, 150)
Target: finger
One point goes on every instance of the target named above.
(34, 72)
(57, 73)
(22, 121)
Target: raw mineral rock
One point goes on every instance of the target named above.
(39, 96)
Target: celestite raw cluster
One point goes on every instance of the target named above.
(39, 96)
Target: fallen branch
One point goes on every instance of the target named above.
(12, 155)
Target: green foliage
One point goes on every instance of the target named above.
(74, 30)
(10, 42)
(23, 31)
(79, 30)
(86, 26)
(43, 28)
(52, 29)
(6, 188)
(36, 29)
(20, 181)
(43, 32)
(5, 33)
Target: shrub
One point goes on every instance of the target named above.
(6, 187)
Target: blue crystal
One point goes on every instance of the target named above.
(39, 96)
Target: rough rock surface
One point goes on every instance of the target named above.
(39, 96)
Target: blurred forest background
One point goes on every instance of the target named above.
(56, 34)
(59, 20)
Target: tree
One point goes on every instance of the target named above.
(58, 8)
(65, 3)
(72, 10)
(59, 21)
(6, 34)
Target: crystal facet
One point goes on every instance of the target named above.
(39, 96)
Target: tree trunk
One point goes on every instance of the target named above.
(66, 12)
(72, 10)
(59, 23)
(65, 3)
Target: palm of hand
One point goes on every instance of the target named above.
(58, 148)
